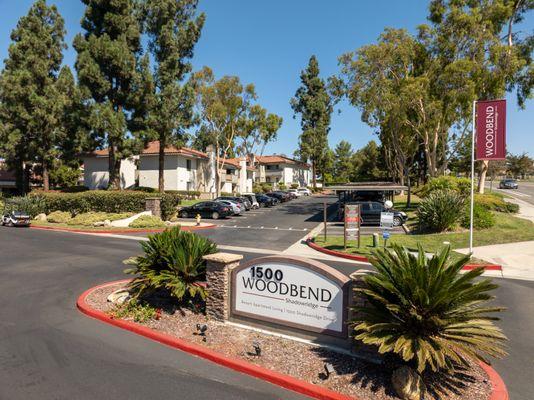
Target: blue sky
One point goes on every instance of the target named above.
(268, 43)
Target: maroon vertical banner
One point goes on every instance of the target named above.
(491, 130)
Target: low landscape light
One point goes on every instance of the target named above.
(328, 369)
(257, 348)
(201, 329)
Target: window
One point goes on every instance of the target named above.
(188, 164)
(228, 172)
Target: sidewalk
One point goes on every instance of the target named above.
(516, 259)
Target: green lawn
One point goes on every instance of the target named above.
(507, 229)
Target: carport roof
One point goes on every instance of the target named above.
(368, 186)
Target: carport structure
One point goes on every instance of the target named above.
(367, 191)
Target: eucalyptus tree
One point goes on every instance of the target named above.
(229, 116)
(314, 104)
(173, 29)
(478, 43)
(106, 64)
(30, 100)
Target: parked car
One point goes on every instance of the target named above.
(206, 209)
(304, 191)
(283, 197)
(237, 208)
(295, 192)
(237, 199)
(253, 200)
(15, 218)
(266, 201)
(370, 213)
(508, 184)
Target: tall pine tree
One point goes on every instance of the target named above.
(30, 101)
(173, 28)
(314, 105)
(106, 64)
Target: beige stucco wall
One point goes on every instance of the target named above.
(176, 175)
(96, 175)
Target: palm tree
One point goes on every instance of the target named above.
(425, 311)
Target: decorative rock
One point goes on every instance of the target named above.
(408, 384)
(107, 222)
(40, 217)
(119, 296)
(168, 223)
(98, 223)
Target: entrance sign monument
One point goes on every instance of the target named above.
(291, 291)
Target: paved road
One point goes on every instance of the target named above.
(525, 191)
(48, 350)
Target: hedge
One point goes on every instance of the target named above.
(109, 201)
(495, 203)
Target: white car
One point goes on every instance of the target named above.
(304, 191)
(295, 192)
(236, 207)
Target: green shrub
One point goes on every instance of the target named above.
(460, 185)
(257, 188)
(282, 186)
(227, 194)
(110, 201)
(294, 186)
(59, 217)
(145, 189)
(482, 217)
(91, 217)
(31, 205)
(147, 221)
(172, 262)
(134, 309)
(266, 187)
(64, 176)
(495, 203)
(426, 311)
(440, 210)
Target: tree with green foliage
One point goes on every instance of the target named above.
(476, 48)
(343, 162)
(108, 52)
(314, 104)
(31, 104)
(228, 114)
(382, 80)
(173, 29)
(519, 165)
(367, 163)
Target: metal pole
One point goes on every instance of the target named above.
(473, 130)
(324, 217)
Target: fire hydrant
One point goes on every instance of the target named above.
(198, 219)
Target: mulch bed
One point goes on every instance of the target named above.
(352, 377)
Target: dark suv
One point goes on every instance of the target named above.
(206, 209)
(371, 210)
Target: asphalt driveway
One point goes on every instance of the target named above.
(48, 350)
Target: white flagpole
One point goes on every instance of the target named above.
(473, 130)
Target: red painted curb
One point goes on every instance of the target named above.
(109, 231)
(498, 388)
(274, 377)
(499, 391)
(313, 245)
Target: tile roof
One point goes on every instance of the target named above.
(235, 163)
(278, 159)
(153, 148)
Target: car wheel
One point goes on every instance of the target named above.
(183, 214)
(215, 215)
(397, 221)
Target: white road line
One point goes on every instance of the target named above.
(263, 228)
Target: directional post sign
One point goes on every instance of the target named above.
(352, 223)
(386, 220)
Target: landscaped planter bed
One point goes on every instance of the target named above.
(352, 377)
(113, 229)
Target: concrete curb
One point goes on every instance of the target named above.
(120, 231)
(467, 267)
(265, 374)
(499, 391)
